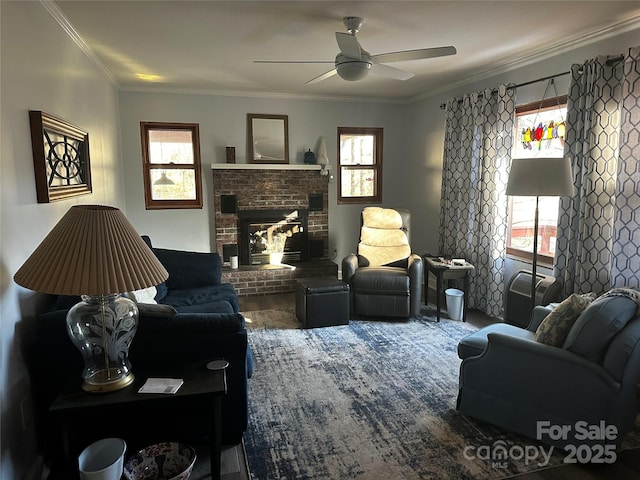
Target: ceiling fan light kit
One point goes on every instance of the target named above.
(351, 69)
(353, 63)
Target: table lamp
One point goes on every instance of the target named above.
(95, 252)
(539, 177)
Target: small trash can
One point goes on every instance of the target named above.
(103, 460)
(455, 303)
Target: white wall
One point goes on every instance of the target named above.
(222, 121)
(427, 120)
(42, 69)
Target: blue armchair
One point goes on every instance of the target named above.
(512, 380)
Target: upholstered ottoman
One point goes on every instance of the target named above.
(322, 302)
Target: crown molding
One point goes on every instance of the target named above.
(543, 53)
(53, 9)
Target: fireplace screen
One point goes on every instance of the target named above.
(272, 237)
(275, 242)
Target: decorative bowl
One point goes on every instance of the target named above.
(161, 461)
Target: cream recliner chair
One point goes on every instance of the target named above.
(384, 277)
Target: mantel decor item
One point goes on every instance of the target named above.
(309, 158)
(267, 138)
(95, 252)
(323, 158)
(231, 154)
(60, 158)
(539, 177)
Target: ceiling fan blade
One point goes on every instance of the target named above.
(418, 54)
(324, 76)
(390, 72)
(348, 44)
(294, 61)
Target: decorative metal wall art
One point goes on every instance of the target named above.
(60, 158)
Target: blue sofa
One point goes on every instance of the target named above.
(195, 282)
(196, 320)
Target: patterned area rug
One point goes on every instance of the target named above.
(371, 400)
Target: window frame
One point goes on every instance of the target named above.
(516, 253)
(147, 166)
(378, 134)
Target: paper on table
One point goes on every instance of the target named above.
(161, 385)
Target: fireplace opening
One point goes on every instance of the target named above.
(272, 236)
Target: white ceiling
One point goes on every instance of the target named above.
(211, 45)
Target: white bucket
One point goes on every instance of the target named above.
(455, 303)
(102, 460)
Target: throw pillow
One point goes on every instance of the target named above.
(553, 330)
(146, 295)
(598, 324)
(162, 291)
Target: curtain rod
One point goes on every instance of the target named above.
(444, 105)
(609, 62)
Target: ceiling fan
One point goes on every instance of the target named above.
(354, 63)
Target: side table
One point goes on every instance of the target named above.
(444, 270)
(120, 410)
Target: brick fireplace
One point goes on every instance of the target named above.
(253, 190)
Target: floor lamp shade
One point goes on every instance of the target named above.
(95, 252)
(539, 177)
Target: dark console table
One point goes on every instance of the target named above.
(116, 413)
(444, 270)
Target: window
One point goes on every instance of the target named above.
(171, 165)
(360, 165)
(540, 130)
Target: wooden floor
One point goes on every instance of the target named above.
(267, 302)
(627, 466)
(233, 463)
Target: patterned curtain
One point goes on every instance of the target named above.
(598, 228)
(626, 242)
(473, 205)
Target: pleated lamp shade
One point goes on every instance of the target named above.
(93, 250)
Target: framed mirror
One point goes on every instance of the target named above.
(267, 138)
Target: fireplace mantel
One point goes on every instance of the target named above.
(267, 166)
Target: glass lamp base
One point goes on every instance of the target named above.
(102, 328)
(107, 381)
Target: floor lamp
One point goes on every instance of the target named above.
(539, 177)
